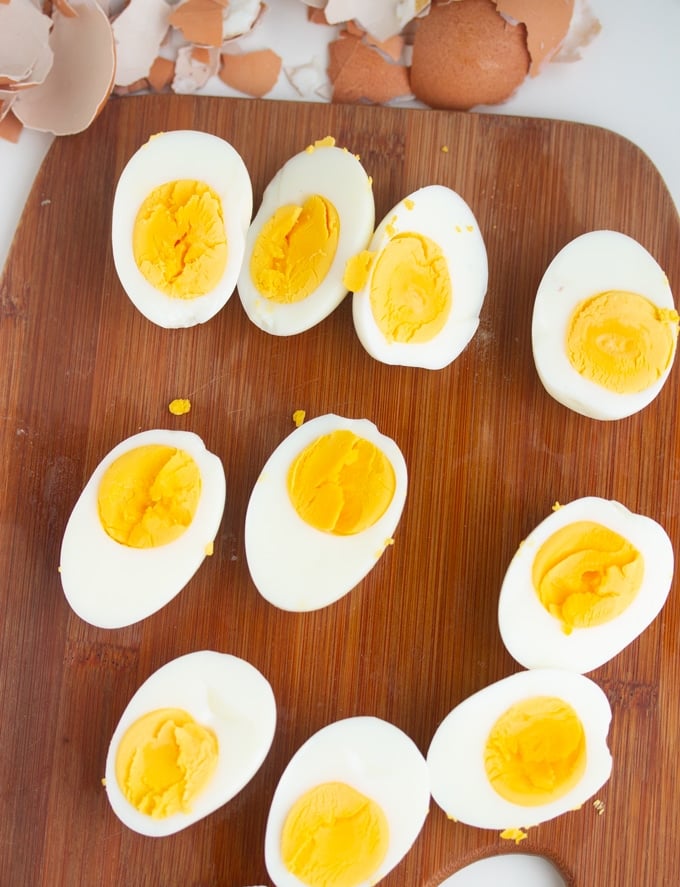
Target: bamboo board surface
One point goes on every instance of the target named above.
(488, 453)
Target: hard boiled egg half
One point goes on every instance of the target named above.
(315, 214)
(141, 527)
(521, 751)
(348, 807)
(181, 210)
(584, 583)
(420, 286)
(604, 328)
(323, 511)
(192, 736)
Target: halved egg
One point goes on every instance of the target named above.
(583, 585)
(141, 527)
(315, 214)
(348, 807)
(420, 286)
(192, 736)
(323, 511)
(181, 210)
(522, 750)
(604, 327)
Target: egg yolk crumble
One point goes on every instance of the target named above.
(334, 836)
(164, 760)
(536, 751)
(586, 574)
(621, 340)
(148, 496)
(179, 240)
(341, 483)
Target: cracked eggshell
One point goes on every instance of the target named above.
(547, 23)
(81, 77)
(25, 53)
(139, 31)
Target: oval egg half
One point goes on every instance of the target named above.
(192, 736)
(181, 210)
(583, 585)
(349, 483)
(420, 287)
(351, 801)
(316, 213)
(604, 326)
(142, 526)
(522, 750)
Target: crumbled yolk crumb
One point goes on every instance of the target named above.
(334, 836)
(209, 549)
(341, 483)
(180, 406)
(164, 760)
(179, 240)
(513, 834)
(298, 417)
(586, 574)
(356, 271)
(326, 142)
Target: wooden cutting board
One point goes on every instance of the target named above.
(488, 453)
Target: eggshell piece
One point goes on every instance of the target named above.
(360, 73)
(194, 66)
(380, 18)
(547, 23)
(161, 73)
(25, 52)
(81, 77)
(253, 73)
(465, 54)
(10, 126)
(139, 31)
(200, 21)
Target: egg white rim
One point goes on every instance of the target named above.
(463, 791)
(326, 170)
(170, 156)
(289, 555)
(585, 648)
(373, 756)
(614, 261)
(220, 691)
(89, 555)
(465, 252)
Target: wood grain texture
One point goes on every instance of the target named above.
(488, 453)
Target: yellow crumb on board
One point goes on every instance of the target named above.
(180, 406)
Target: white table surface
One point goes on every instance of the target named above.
(627, 80)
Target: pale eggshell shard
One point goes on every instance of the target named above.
(309, 79)
(81, 77)
(593, 263)
(508, 869)
(252, 73)
(222, 692)
(193, 68)
(374, 757)
(25, 53)
(111, 585)
(338, 176)
(455, 757)
(240, 17)
(442, 215)
(167, 157)
(381, 18)
(293, 565)
(535, 638)
(547, 23)
(139, 31)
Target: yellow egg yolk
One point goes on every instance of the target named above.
(148, 496)
(334, 836)
(179, 240)
(536, 751)
(410, 290)
(295, 250)
(164, 761)
(180, 406)
(341, 483)
(586, 574)
(621, 341)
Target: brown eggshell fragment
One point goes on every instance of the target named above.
(547, 23)
(25, 54)
(253, 73)
(10, 127)
(360, 73)
(465, 54)
(139, 31)
(81, 78)
(161, 73)
(200, 21)
(381, 18)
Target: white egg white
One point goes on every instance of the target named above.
(443, 216)
(508, 869)
(338, 176)
(374, 757)
(455, 757)
(172, 156)
(593, 263)
(292, 564)
(111, 585)
(535, 638)
(221, 692)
